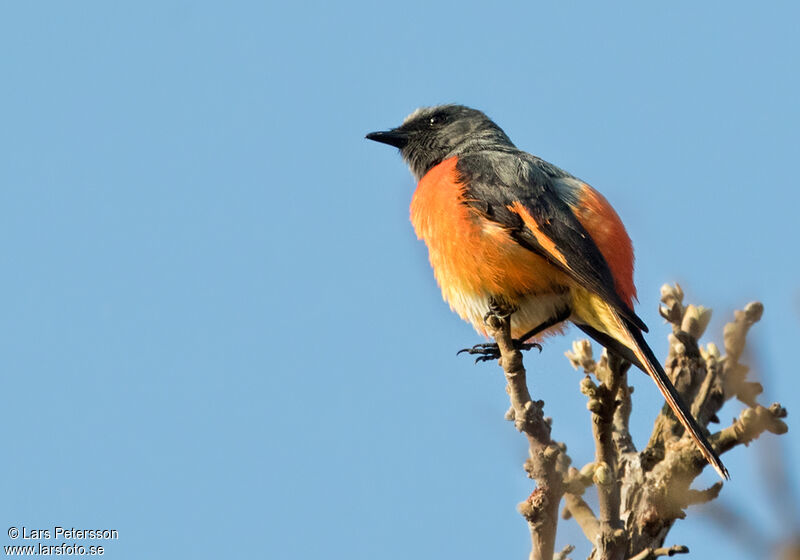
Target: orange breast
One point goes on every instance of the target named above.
(472, 257)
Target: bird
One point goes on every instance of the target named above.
(507, 230)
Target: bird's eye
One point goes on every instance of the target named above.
(436, 119)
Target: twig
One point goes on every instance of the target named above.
(735, 334)
(752, 422)
(578, 509)
(563, 554)
(610, 371)
(651, 553)
(694, 497)
(541, 508)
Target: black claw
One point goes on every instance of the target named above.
(529, 345)
(490, 351)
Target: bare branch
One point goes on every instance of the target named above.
(543, 464)
(735, 334)
(672, 310)
(622, 415)
(651, 553)
(576, 508)
(563, 554)
(694, 497)
(752, 422)
(603, 402)
(640, 495)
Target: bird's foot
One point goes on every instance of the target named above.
(499, 308)
(490, 351)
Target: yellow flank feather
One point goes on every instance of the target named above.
(591, 309)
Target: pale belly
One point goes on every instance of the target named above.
(531, 311)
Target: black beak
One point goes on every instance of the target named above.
(396, 138)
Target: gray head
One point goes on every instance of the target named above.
(432, 134)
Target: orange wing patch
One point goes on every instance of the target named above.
(541, 238)
(602, 223)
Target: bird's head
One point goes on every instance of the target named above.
(430, 135)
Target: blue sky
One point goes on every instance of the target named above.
(219, 334)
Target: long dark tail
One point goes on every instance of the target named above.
(648, 362)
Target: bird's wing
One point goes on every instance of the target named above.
(521, 193)
(513, 189)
